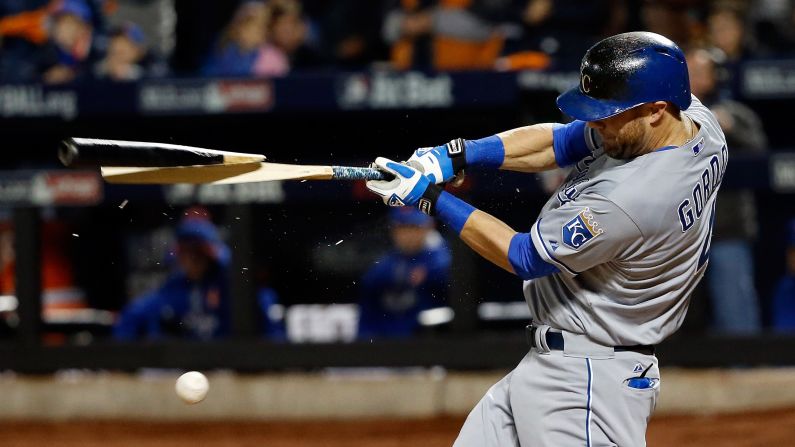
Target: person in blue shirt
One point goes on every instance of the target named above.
(784, 296)
(194, 300)
(408, 279)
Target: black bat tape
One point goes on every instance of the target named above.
(92, 152)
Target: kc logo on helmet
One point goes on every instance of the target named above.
(580, 230)
(585, 83)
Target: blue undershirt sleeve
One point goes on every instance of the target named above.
(525, 260)
(568, 142)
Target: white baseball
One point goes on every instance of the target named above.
(192, 387)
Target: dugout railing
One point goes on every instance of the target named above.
(340, 117)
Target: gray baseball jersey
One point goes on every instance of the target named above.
(630, 238)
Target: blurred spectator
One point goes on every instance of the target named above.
(126, 57)
(784, 297)
(72, 38)
(730, 275)
(446, 34)
(288, 46)
(156, 18)
(467, 35)
(194, 300)
(671, 18)
(410, 278)
(26, 20)
(407, 28)
(242, 45)
(774, 25)
(727, 30)
(564, 29)
(742, 126)
(23, 32)
(350, 31)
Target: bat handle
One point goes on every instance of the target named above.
(351, 173)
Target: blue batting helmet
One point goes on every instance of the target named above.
(625, 71)
(408, 215)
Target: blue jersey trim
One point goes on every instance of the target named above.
(546, 250)
(665, 148)
(527, 263)
(568, 143)
(588, 405)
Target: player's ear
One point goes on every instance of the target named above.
(656, 110)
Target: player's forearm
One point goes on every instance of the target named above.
(535, 148)
(489, 237)
(529, 148)
(485, 234)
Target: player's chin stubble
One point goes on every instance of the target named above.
(628, 143)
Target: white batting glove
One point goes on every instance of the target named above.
(406, 188)
(441, 163)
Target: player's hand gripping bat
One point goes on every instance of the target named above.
(136, 162)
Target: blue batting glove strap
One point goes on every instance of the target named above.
(441, 163)
(568, 142)
(446, 207)
(525, 260)
(487, 152)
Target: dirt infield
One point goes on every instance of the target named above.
(774, 428)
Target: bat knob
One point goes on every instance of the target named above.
(68, 152)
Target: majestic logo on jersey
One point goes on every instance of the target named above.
(581, 229)
(638, 368)
(697, 148)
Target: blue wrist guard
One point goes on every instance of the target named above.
(445, 206)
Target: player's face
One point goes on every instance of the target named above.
(409, 239)
(193, 261)
(623, 135)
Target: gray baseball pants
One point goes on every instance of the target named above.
(582, 396)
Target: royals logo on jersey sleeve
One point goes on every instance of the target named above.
(580, 230)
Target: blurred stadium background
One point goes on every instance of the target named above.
(108, 293)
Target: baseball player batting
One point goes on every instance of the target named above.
(614, 255)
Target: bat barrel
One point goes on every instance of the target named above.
(352, 173)
(93, 152)
(68, 152)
